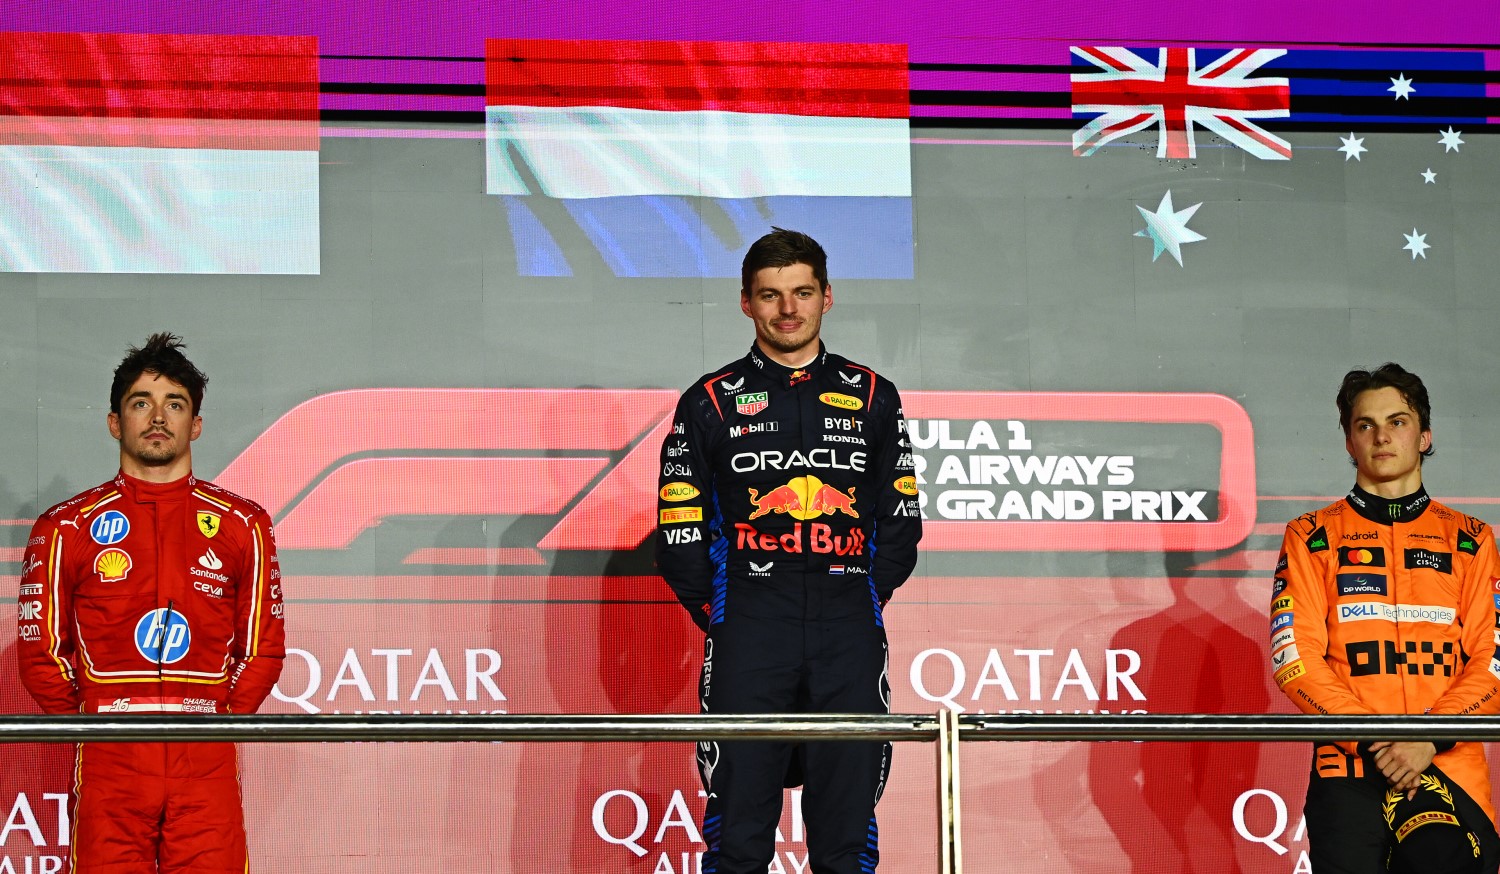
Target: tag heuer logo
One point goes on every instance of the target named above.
(750, 404)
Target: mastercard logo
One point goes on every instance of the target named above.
(1362, 556)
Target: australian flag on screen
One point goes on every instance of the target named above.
(1241, 95)
(667, 159)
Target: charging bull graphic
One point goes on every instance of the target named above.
(804, 497)
(830, 500)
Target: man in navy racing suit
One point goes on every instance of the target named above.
(788, 514)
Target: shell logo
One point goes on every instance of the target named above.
(112, 565)
(907, 485)
(843, 402)
(678, 492)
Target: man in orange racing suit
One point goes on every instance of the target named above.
(1384, 602)
(153, 593)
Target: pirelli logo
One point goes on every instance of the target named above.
(681, 514)
(1289, 673)
(1424, 818)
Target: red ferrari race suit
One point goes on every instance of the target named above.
(1390, 606)
(141, 597)
(788, 515)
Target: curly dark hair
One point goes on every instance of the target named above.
(783, 248)
(1388, 375)
(162, 353)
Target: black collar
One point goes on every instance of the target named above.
(787, 376)
(1384, 511)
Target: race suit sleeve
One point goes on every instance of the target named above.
(1307, 680)
(898, 520)
(260, 629)
(685, 508)
(45, 646)
(1475, 688)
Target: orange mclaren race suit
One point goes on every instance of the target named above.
(155, 598)
(788, 515)
(1390, 606)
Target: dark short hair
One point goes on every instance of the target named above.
(783, 248)
(1388, 375)
(162, 354)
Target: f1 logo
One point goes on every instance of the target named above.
(337, 465)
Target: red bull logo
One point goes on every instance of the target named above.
(830, 500)
(804, 497)
(818, 538)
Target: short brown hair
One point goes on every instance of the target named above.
(1388, 375)
(783, 248)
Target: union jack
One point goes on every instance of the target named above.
(1131, 93)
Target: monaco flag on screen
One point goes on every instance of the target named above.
(640, 139)
(153, 153)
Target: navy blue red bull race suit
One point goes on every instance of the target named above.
(788, 515)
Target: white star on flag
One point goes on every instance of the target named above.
(1402, 87)
(1450, 140)
(1168, 228)
(1428, 177)
(1353, 147)
(1416, 244)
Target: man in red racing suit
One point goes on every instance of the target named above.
(1384, 602)
(153, 593)
(788, 515)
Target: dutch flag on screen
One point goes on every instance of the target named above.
(670, 157)
(154, 153)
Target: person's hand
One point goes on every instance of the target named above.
(1402, 763)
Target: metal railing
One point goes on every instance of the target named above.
(946, 729)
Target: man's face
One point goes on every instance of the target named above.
(155, 424)
(1386, 439)
(787, 306)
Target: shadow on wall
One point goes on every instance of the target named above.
(1170, 804)
(615, 641)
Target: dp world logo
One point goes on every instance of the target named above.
(162, 636)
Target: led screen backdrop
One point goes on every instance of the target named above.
(448, 273)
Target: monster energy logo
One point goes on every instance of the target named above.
(1394, 510)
